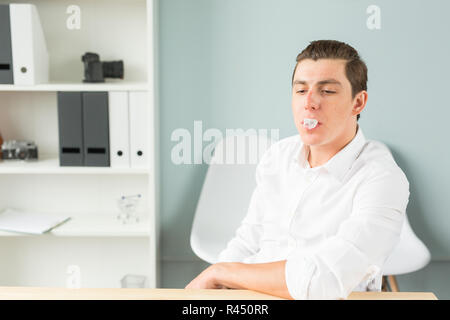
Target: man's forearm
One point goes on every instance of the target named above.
(263, 277)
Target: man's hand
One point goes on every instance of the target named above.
(263, 277)
(208, 279)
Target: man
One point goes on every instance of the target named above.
(329, 205)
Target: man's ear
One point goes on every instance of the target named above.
(359, 102)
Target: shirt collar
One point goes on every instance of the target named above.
(342, 161)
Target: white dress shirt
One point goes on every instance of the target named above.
(334, 224)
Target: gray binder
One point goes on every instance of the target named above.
(70, 128)
(96, 129)
(6, 66)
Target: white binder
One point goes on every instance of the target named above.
(119, 138)
(29, 51)
(139, 129)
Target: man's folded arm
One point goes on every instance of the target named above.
(358, 251)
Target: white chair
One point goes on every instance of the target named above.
(225, 194)
(223, 203)
(409, 255)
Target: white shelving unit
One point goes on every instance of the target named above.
(94, 239)
(94, 226)
(61, 86)
(48, 164)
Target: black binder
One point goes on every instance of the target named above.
(70, 128)
(96, 129)
(6, 63)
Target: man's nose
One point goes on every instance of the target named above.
(312, 101)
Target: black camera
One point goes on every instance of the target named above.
(96, 70)
(22, 150)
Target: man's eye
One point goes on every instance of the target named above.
(301, 91)
(328, 91)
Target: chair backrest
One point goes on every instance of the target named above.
(224, 201)
(226, 193)
(409, 255)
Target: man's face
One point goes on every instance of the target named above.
(322, 91)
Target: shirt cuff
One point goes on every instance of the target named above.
(299, 272)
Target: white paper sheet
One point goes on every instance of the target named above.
(29, 222)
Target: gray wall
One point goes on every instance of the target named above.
(229, 64)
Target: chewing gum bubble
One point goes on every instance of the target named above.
(310, 123)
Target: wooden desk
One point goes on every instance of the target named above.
(34, 293)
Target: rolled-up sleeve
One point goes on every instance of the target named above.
(361, 245)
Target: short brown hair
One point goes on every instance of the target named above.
(355, 69)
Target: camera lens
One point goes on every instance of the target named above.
(21, 154)
(113, 69)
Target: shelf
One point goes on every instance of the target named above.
(87, 194)
(50, 165)
(93, 226)
(66, 86)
